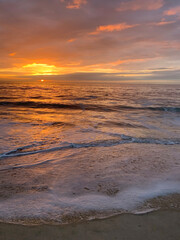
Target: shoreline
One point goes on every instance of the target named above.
(168, 202)
(158, 225)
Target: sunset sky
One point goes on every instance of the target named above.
(90, 39)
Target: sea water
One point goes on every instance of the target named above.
(81, 150)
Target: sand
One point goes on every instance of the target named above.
(159, 225)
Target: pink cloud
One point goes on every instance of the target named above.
(173, 11)
(135, 5)
(162, 23)
(112, 28)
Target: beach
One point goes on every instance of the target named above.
(158, 225)
(90, 120)
(66, 162)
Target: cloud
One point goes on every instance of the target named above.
(12, 54)
(112, 28)
(127, 61)
(135, 5)
(162, 23)
(165, 75)
(158, 75)
(173, 11)
(71, 40)
(87, 40)
(74, 4)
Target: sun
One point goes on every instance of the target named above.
(42, 80)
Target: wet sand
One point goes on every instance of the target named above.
(160, 225)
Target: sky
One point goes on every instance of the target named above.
(90, 40)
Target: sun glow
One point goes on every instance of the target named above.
(40, 69)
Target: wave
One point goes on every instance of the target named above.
(81, 106)
(2, 98)
(121, 124)
(85, 98)
(54, 124)
(100, 143)
(53, 208)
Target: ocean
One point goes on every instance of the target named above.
(72, 151)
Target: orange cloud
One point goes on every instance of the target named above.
(173, 11)
(112, 28)
(75, 4)
(71, 40)
(135, 5)
(12, 54)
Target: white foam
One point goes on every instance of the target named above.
(51, 206)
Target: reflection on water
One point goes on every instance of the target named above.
(55, 112)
